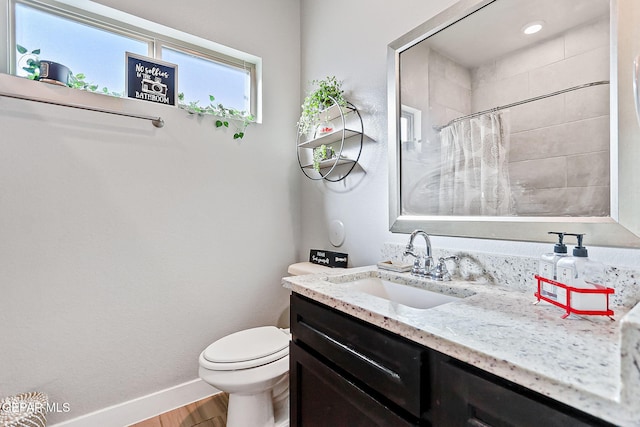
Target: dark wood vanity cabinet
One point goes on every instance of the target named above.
(467, 396)
(347, 372)
(324, 397)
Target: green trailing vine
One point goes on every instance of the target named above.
(32, 65)
(76, 81)
(328, 90)
(225, 116)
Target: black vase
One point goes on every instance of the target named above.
(52, 72)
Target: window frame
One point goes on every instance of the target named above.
(157, 36)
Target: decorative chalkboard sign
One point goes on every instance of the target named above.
(150, 79)
(328, 258)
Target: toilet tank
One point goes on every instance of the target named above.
(302, 268)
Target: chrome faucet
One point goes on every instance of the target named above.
(421, 267)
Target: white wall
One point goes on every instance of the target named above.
(355, 51)
(125, 249)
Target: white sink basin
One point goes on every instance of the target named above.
(401, 294)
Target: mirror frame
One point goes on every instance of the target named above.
(620, 229)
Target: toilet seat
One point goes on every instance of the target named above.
(247, 349)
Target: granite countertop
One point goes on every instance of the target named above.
(592, 364)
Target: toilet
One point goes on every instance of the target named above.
(248, 365)
(252, 365)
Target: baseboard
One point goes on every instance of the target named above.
(144, 407)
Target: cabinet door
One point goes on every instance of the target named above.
(395, 369)
(465, 399)
(321, 397)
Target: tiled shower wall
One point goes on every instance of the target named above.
(449, 87)
(559, 154)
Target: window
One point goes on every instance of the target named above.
(95, 52)
(199, 77)
(410, 124)
(94, 45)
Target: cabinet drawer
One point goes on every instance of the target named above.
(322, 397)
(393, 368)
(467, 398)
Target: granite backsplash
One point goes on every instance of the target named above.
(517, 272)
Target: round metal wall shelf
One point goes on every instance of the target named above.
(345, 139)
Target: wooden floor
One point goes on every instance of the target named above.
(209, 412)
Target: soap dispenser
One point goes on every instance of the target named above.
(579, 271)
(549, 261)
(548, 266)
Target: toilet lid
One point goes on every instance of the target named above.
(265, 342)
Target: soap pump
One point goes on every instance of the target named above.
(549, 261)
(578, 271)
(548, 268)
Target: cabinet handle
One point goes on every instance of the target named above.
(474, 422)
(351, 351)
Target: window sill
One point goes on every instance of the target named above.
(62, 96)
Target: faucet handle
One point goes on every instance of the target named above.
(418, 268)
(418, 264)
(440, 271)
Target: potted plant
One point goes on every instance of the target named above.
(328, 92)
(323, 152)
(42, 70)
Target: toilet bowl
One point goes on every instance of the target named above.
(249, 365)
(252, 365)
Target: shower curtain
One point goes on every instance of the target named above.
(474, 176)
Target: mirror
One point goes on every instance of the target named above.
(495, 133)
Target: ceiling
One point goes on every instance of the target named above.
(495, 30)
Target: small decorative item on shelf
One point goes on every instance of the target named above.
(54, 73)
(321, 153)
(324, 128)
(328, 258)
(581, 301)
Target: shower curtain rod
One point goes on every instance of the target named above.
(536, 98)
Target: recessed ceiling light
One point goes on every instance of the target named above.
(533, 27)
